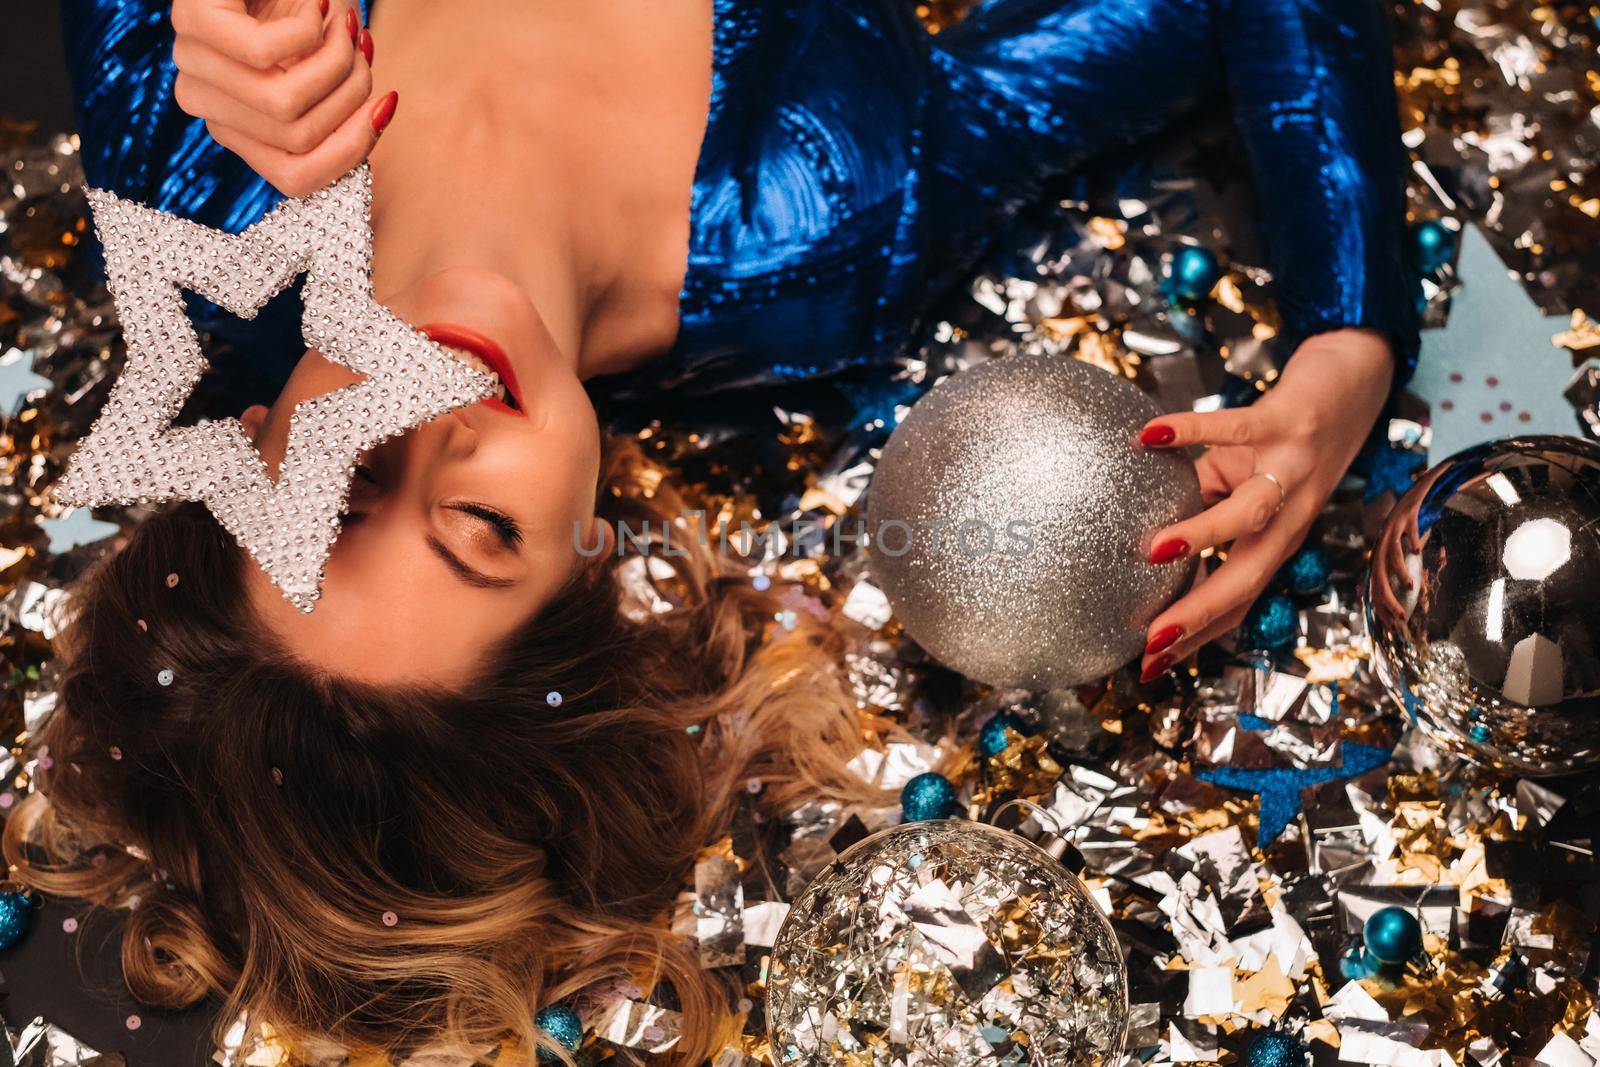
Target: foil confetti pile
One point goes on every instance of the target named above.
(1237, 824)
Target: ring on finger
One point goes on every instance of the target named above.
(1283, 494)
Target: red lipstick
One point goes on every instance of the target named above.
(493, 356)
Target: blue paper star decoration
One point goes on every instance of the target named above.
(1492, 371)
(76, 527)
(17, 380)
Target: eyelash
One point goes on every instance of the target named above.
(503, 524)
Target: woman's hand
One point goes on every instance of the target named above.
(284, 84)
(1268, 471)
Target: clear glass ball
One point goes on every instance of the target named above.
(952, 943)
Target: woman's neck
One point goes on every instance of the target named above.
(553, 144)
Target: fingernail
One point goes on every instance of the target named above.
(365, 44)
(323, 7)
(352, 22)
(1157, 435)
(1163, 639)
(1169, 550)
(384, 111)
(1156, 669)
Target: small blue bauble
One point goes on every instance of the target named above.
(1194, 271)
(1271, 625)
(1306, 573)
(992, 738)
(561, 1023)
(928, 796)
(1434, 243)
(14, 913)
(1393, 935)
(1277, 1049)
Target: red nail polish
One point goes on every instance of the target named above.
(352, 22)
(1157, 668)
(1163, 639)
(323, 8)
(1157, 435)
(1169, 550)
(365, 44)
(384, 111)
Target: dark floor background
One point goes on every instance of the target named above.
(33, 76)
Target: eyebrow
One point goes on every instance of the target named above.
(469, 575)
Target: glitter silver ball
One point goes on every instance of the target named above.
(1483, 600)
(1010, 517)
(949, 943)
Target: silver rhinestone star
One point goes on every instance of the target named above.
(133, 453)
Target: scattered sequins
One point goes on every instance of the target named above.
(390, 918)
(164, 676)
(553, 699)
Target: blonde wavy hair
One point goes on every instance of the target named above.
(263, 818)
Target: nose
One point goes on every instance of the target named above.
(459, 436)
(426, 450)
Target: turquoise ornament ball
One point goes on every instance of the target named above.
(1194, 271)
(1392, 935)
(1271, 625)
(1434, 244)
(561, 1023)
(14, 914)
(928, 796)
(1277, 1049)
(992, 738)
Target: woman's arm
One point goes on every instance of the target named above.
(1023, 89)
(1311, 83)
(1050, 84)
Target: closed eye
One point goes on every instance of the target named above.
(504, 525)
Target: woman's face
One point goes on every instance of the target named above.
(463, 528)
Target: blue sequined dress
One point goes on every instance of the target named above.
(854, 165)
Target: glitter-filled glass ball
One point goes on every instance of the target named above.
(1307, 571)
(1010, 517)
(561, 1023)
(992, 737)
(14, 915)
(949, 943)
(1483, 608)
(1277, 1049)
(929, 795)
(1271, 624)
